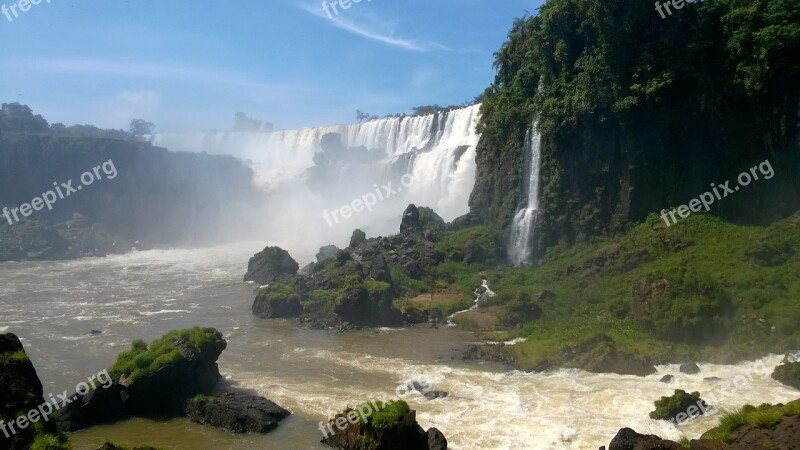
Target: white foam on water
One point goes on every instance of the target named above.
(163, 311)
(565, 409)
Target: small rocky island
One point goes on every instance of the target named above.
(172, 377)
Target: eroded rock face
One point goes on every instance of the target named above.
(410, 220)
(20, 389)
(270, 265)
(788, 374)
(163, 393)
(237, 413)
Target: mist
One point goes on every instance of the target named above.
(319, 184)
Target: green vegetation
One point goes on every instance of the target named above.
(387, 413)
(49, 442)
(18, 356)
(639, 113)
(679, 403)
(477, 244)
(277, 301)
(143, 360)
(764, 416)
(684, 286)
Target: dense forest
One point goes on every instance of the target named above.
(640, 113)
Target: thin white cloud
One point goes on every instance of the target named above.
(98, 67)
(350, 27)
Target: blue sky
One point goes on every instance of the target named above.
(190, 65)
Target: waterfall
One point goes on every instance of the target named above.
(520, 248)
(436, 151)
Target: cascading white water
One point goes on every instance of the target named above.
(437, 151)
(520, 248)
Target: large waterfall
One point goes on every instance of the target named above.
(520, 248)
(435, 152)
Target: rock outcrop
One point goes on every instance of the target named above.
(270, 265)
(152, 381)
(277, 301)
(376, 430)
(20, 392)
(237, 413)
(788, 374)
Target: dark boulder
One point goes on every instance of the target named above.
(327, 252)
(433, 395)
(413, 316)
(358, 238)
(627, 439)
(436, 440)
(690, 368)
(411, 220)
(379, 269)
(20, 391)
(667, 379)
(788, 374)
(270, 265)
(237, 413)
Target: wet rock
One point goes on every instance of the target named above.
(163, 393)
(433, 395)
(690, 368)
(667, 379)
(627, 439)
(436, 440)
(788, 374)
(277, 301)
(20, 390)
(270, 265)
(410, 221)
(237, 413)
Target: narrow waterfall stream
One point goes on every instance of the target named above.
(520, 248)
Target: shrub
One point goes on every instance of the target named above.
(388, 413)
(49, 442)
(143, 360)
(764, 416)
(472, 245)
(17, 356)
(669, 407)
(520, 309)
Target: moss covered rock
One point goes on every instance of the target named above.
(377, 425)
(277, 301)
(679, 407)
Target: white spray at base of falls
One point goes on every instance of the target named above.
(520, 246)
(437, 151)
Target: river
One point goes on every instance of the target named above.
(53, 306)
